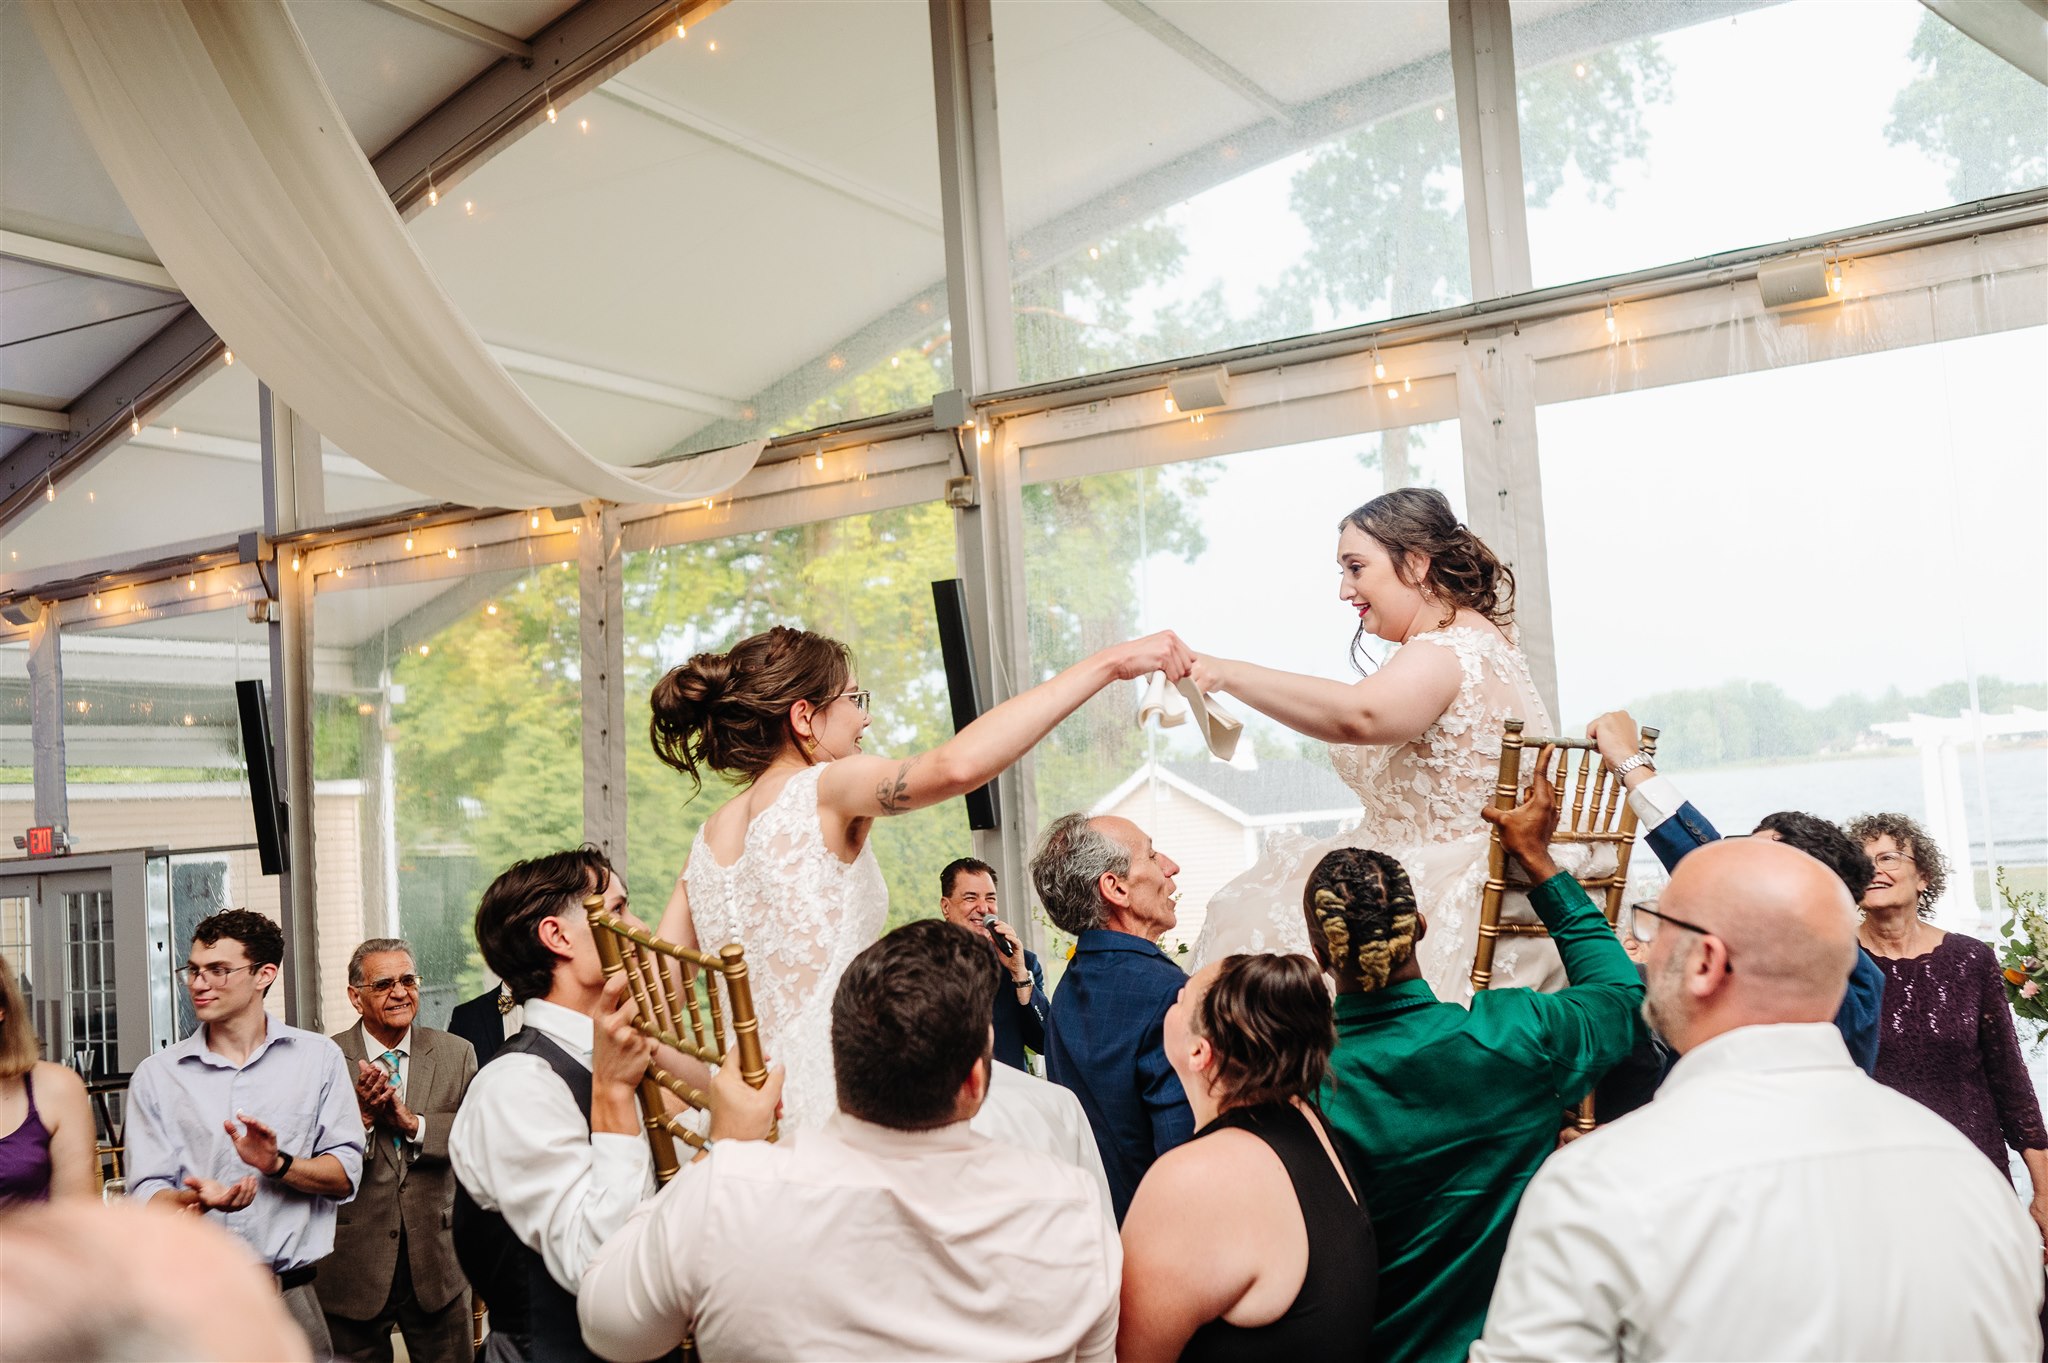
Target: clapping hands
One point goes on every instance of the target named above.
(378, 1100)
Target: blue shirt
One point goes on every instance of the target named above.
(1103, 1042)
(297, 1084)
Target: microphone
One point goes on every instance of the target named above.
(1002, 942)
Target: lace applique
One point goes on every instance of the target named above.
(803, 915)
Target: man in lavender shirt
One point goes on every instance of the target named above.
(247, 1119)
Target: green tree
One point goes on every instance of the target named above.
(1974, 111)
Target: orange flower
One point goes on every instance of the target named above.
(2015, 976)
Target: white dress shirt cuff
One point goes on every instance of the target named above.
(1656, 800)
(418, 1135)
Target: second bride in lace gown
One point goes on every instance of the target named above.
(1418, 741)
(784, 867)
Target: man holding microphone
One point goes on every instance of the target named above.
(967, 898)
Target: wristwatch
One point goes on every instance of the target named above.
(282, 1169)
(1629, 764)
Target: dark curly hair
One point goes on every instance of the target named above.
(262, 940)
(1826, 843)
(1269, 1021)
(1462, 571)
(1361, 915)
(910, 1022)
(1916, 842)
(730, 711)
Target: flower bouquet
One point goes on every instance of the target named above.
(2024, 952)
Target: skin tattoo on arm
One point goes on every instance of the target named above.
(894, 796)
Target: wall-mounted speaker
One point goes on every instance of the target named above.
(963, 686)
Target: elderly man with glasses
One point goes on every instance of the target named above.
(247, 1119)
(394, 1254)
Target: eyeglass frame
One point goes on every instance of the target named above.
(862, 699)
(1643, 907)
(1878, 859)
(384, 986)
(214, 971)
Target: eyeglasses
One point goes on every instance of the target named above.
(861, 699)
(390, 982)
(1643, 920)
(213, 974)
(1889, 861)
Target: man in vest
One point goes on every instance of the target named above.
(547, 1174)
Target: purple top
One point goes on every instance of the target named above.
(25, 1155)
(1946, 1039)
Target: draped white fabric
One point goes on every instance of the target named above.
(235, 161)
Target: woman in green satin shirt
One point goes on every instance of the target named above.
(1451, 1111)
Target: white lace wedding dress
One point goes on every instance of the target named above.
(803, 915)
(1420, 803)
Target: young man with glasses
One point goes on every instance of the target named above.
(249, 1119)
(394, 1255)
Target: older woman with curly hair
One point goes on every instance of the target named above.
(1946, 1037)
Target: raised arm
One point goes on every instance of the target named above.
(865, 787)
(1393, 705)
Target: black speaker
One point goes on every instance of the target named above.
(963, 686)
(271, 853)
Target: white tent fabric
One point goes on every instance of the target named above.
(235, 161)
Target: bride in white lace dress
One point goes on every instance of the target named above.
(1418, 740)
(784, 867)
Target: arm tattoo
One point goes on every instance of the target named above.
(894, 796)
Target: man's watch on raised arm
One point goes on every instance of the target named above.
(284, 1166)
(1024, 983)
(1631, 762)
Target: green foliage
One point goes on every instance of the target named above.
(1744, 721)
(1973, 110)
(2023, 952)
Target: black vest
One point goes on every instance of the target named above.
(528, 1307)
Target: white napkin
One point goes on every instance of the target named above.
(1219, 727)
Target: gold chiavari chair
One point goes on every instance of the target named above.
(678, 1003)
(1593, 810)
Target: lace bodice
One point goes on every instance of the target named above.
(803, 915)
(1432, 788)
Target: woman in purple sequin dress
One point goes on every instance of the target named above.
(1946, 1036)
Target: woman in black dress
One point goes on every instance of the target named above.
(1249, 1242)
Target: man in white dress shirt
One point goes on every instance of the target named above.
(892, 1232)
(548, 1146)
(1773, 1202)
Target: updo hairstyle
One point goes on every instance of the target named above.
(730, 711)
(1268, 1019)
(1462, 571)
(1361, 908)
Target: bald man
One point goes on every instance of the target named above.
(1773, 1202)
(88, 1282)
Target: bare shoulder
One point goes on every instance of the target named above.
(59, 1079)
(1225, 1172)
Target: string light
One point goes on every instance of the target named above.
(681, 32)
(1407, 385)
(229, 356)
(584, 124)
(191, 584)
(49, 489)
(341, 570)
(295, 563)
(1094, 253)
(533, 521)
(92, 496)
(1835, 281)
(469, 207)
(174, 432)
(1610, 319)
(549, 95)
(1579, 70)
(433, 194)
(818, 461)
(451, 553)
(987, 435)
(714, 44)
(408, 544)
(1439, 113)
(95, 603)
(1195, 420)
(423, 650)
(1379, 366)
(134, 421)
(491, 608)
(1169, 406)
(1392, 392)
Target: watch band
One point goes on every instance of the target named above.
(282, 1169)
(1629, 764)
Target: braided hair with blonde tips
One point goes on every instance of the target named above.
(1361, 915)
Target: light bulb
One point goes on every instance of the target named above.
(1196, 419)
(451, 553)
(469, 207)
(1169, 407)
(714, 44)
(895, 360)
(174, 432)
(1579, 70)
(423, 650)
(1094, 253)
(1610, 319)
(134, 422)
(95, 606)
(987, 435)
(295, 563)
(341, 570)
(229, 356)
(408, 543)
(1439, 113)
(1379, 366)
(550, 96)
(584, 124)
(1407, 385)
(551, 113)
(681, 32)
(191, 584)
(818, 461)
(1835, 282)
(707, 503)
(49, 492)
(533, 521)
(491, 608)
(433, 197)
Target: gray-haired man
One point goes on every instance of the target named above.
(1103, 881)
(394, 1257)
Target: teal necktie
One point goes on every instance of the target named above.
(395, 1062)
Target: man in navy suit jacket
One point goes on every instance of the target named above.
(1676, 828)
(1103, 881)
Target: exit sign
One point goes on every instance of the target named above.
(42, 842)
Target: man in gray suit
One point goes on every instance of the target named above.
(394, 1256)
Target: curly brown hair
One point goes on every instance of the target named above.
(1268, 1019)
(1462, 571)
(1361, 914)
(1916, 842)
(730, 711)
